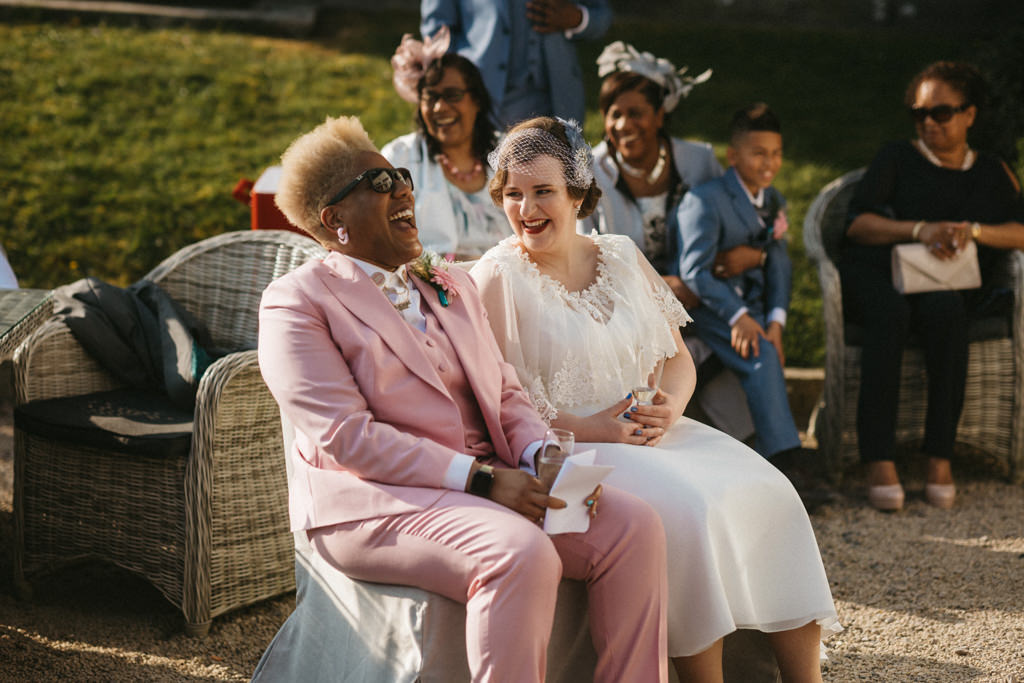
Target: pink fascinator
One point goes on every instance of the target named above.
(412, 58)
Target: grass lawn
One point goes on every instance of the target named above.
(122, 144)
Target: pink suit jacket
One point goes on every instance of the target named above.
(375, 427)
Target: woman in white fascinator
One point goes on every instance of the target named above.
(643, 175)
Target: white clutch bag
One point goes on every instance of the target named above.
(915, 270)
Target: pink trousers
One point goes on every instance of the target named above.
(506, 570)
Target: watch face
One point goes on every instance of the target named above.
(482, 481)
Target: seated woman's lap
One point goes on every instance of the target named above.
(447, 548)
(463, 540)
(719, 502)
(700, 463)
(889, 317)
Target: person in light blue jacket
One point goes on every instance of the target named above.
(741, 316)
(525, 49)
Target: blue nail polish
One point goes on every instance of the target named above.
(625, 415)
(629, 395)
(633, 409)
(638, 432)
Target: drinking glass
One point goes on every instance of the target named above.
(550, 461)
(644, 393)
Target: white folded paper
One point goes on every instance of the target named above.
(576, 480)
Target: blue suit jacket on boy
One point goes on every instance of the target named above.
(481, 33)
(716, 216)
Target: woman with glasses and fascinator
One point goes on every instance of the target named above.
(587, 323)
(643, 174)
(447, 155)
(935, 189)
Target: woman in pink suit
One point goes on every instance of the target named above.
(414, 442)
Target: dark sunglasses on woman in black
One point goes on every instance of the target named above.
(940, 113)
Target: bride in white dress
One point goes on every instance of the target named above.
(585, 318)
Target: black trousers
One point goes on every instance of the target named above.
(939, 320)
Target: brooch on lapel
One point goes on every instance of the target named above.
(433, 269)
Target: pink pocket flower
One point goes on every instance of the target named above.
(781, 224)
(441, 276)
(432, 268)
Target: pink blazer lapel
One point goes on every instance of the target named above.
(356, 292)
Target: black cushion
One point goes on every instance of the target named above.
(130, 421)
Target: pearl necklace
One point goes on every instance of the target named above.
(649, 178)
(461, 176)
(930, 155)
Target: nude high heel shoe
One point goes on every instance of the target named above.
(887, 498)
(940, 495)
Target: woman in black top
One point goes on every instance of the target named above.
(939, 191)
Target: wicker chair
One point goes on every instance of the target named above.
(208, 525)
(343, 629)
(993, 414)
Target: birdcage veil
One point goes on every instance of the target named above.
(520, 149)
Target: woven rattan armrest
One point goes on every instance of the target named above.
(240, 548)
(1016, 456)
(1017, 269)
(52, 364)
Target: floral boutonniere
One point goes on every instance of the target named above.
(433, 269)
(776, 213)
(781, 224)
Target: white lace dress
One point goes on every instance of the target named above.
(741, 550)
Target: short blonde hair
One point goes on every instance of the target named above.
(316, 166)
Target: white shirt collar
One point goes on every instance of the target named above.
(758, 199)
(411, 313)
(370, 269)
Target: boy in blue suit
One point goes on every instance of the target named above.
(744, 302)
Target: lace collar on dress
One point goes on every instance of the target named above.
(515, 252)
(596, 299)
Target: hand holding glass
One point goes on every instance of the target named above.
(550, 460)
(644, 393)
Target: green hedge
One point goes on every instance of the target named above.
(122, 144)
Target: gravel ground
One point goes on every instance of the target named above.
(924, 594)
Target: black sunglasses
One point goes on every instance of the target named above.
(939, 114)
(382, 180)
(449, 95)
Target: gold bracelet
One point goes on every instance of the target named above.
(917, 230)
(764, 257)
(975, 231)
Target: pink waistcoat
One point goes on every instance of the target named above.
(444, 359)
